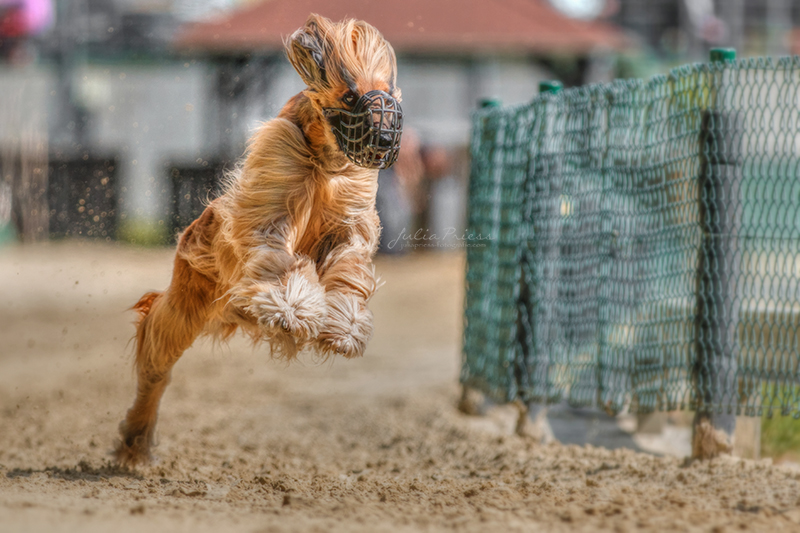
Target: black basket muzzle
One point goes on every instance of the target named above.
(369, 135)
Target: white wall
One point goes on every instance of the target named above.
(25, 98)
(148, 114)
(438, 96)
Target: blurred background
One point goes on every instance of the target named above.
(118, 117)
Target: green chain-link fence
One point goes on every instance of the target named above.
(637, 244)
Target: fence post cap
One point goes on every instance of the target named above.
(489, 102)
(722, 54)
(550, 86)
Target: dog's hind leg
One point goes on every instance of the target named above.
(169, 324)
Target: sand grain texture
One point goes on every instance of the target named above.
(247, 444)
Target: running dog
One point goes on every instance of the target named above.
(285, 252)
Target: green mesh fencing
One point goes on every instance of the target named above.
(640, 243)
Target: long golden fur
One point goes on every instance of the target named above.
(285, 252)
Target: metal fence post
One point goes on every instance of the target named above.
(533, 364)
(472, 402)
(717, 318)
(548, 184)
(550, 87)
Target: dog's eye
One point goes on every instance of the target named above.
(349, 98)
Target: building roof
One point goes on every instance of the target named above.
(412, 26)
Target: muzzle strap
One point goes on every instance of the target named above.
(369, 135)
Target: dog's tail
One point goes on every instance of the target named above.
(143, 308)
(145, 304)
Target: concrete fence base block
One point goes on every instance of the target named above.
(532, 423)
(651, 423)
(472, 402)
(708, 441)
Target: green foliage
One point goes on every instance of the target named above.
(143, 232)
(780, 437)
(7, 234)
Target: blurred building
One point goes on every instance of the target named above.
(687, 28)
(127, 110)
(450, 52)
(139, 104)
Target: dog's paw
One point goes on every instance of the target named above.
(292, 314)
(348, 326)
(134, 446)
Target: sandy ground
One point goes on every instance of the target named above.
(248, 444)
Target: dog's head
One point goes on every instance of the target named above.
(351, 73)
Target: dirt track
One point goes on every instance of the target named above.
(247, 444)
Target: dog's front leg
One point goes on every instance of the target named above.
(349, 282)
(281, 290)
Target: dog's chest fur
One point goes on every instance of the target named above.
(342, 206)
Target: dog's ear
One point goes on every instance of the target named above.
(306, 50)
